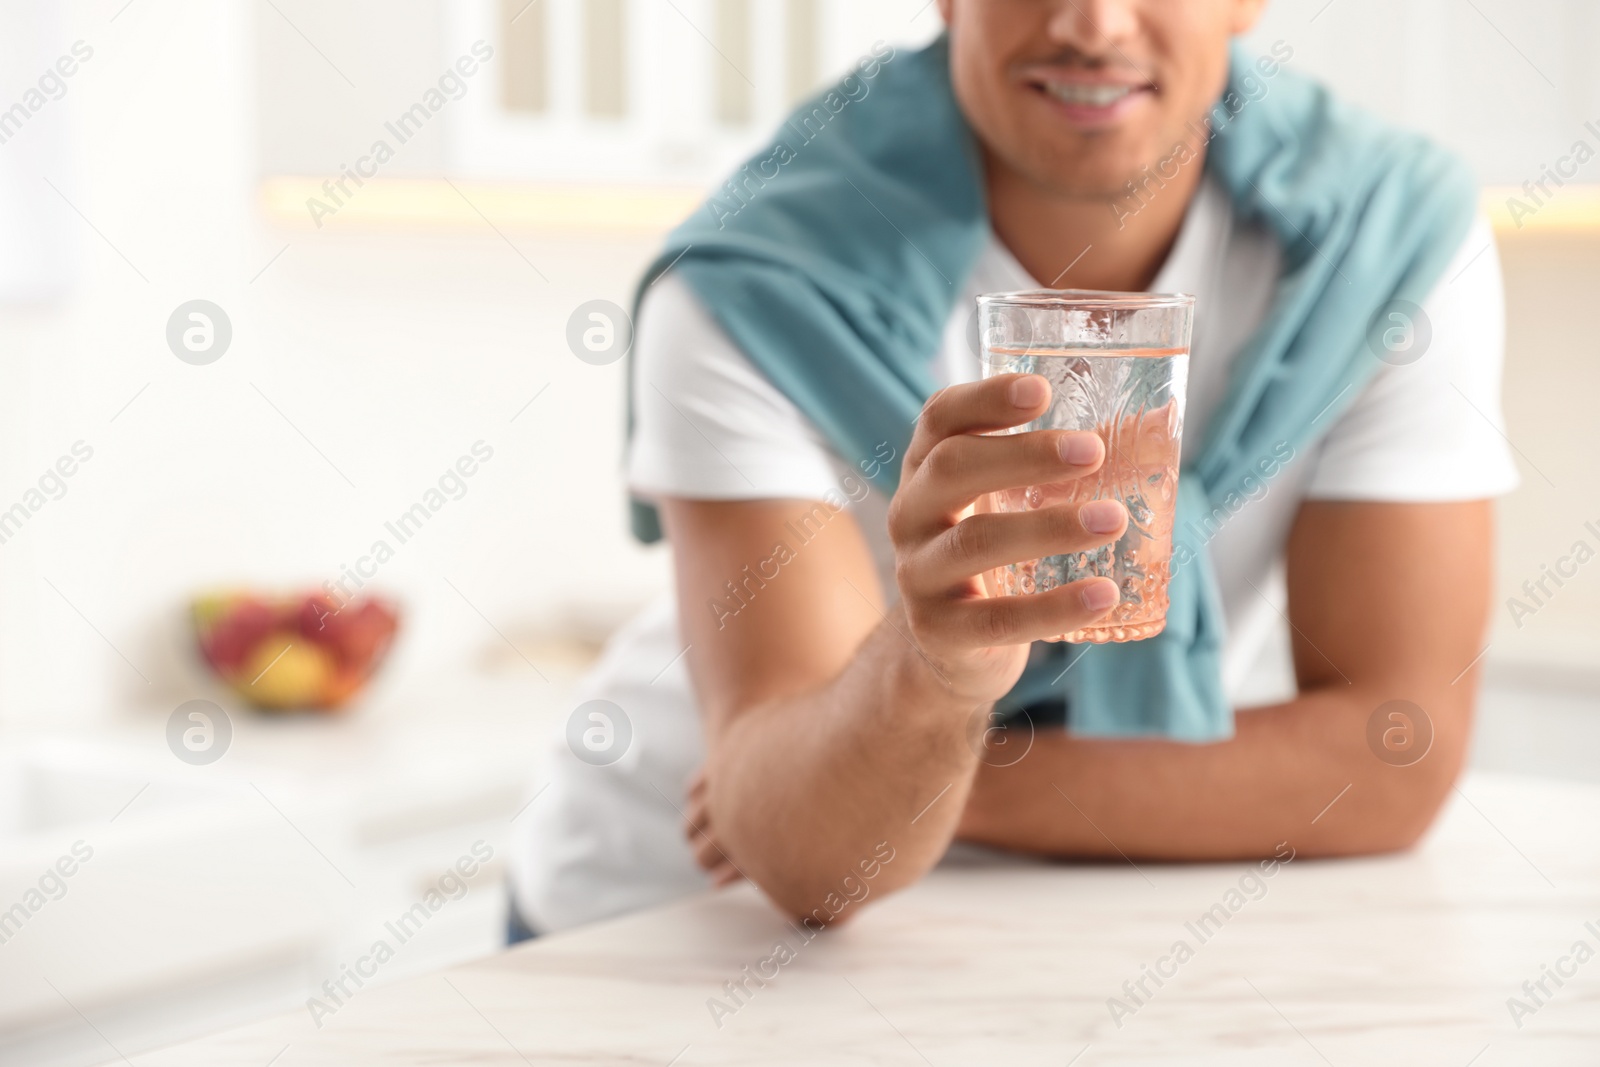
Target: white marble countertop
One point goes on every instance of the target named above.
(221, 892)
(1402, 959)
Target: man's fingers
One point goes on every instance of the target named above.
(697, 829)
(706, 852)
(960, 469)
(696, 819)
(997, 403)
(723, 874)
(1015, 620)
(981, 542)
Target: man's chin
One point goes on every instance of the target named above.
(1086, 169)
(1092, 185)
(1088, 172)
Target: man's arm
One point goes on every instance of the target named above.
(823, 737)
(1387, 602)
(833, 723)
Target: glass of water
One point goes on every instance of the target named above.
(1118, 364)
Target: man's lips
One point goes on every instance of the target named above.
(1091, 99)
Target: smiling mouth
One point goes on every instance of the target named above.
(1092, 101)
(1080, 95)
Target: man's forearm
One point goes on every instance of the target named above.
(1300, 772)
(805, 790)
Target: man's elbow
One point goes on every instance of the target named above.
(814, 912)
(1400, 831)
(1403, 803)
(817, 905)
(813, 921)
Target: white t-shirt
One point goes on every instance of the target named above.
(603, 840)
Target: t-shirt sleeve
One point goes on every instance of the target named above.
(708, 425)
(1429, 427)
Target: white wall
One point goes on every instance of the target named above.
(1507, 83)
(328, 74)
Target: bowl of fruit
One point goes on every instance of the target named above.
(281, 653)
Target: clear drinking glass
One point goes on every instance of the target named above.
(1118, 364)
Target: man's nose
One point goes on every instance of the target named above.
(1096, 28)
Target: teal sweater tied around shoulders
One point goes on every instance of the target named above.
(834, 257)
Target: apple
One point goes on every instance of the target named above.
(286, 671)
(235, 629)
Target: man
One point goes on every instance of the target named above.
(842, 654)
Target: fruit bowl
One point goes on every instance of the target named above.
(280, 653)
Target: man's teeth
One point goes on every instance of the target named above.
(1091, 95)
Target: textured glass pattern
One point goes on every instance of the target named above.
(1118, 365)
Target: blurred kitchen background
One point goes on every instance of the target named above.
(375, 343)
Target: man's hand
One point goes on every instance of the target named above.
(942, 548)
(697, 828)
